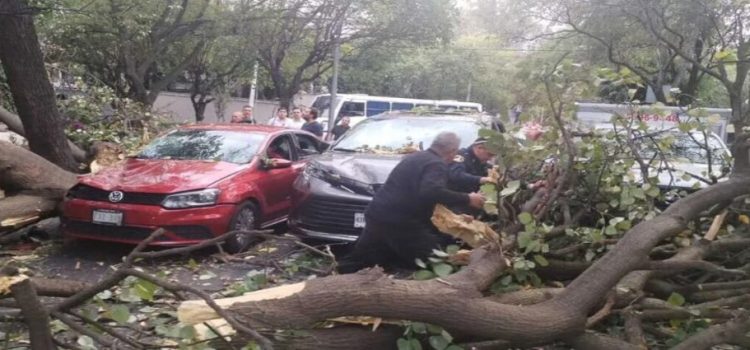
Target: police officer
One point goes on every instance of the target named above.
(398, 226)
(470, 170)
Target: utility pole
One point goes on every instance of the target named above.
(253, 86)
(334, 82)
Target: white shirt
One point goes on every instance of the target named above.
(294, 124)
(275, 121)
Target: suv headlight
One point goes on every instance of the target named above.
(313, 170)
(191, 199)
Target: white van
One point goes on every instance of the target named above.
(358, 107)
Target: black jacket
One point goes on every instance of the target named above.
(411, 191)
(466, 171)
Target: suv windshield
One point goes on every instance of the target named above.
(689, 148)
(403, 135)
(214, 145)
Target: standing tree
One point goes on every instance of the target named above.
(32, 92)
(136, 48)
(294, 39)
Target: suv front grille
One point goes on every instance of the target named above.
(329, 216)
(99, 195)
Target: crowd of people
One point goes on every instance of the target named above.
(303, 118)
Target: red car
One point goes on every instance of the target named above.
(197, 182)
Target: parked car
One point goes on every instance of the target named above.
(330, 196)
(687, 163)
(196, 182)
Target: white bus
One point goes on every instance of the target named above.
(358, 107)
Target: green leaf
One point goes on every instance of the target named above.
(187, 332)
(610, 230)
(419, 327)
(439, 253)
(541, 260)
(420, 263)
(447, 336)
(454, 347)
(524, 238)
(415, 345)
(422, 275)
(438, 342)
(119, 313)
(193, 265)
(433, 329)
(452, 249)
(403, 344)
(506, 280)
(442, 270)
(511, 188)
(145, 290)
(86, 342)
(676, 299)
(525, 218)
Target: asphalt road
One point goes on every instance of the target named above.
(208, 269)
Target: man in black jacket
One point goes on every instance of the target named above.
(470, 170)
(399, 228)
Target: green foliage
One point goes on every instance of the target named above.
(95, 113)
(436, 337)
(437, 265)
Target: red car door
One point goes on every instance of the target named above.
(276, 185)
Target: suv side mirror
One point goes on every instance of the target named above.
(277, 163)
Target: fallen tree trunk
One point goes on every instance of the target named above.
(372, 293)
(19, 210)
(23, 171)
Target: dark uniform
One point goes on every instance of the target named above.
(465, 174)
(398, 222)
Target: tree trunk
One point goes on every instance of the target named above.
(23, 171)
(25, 208)
(561, 315)
(14, 124)
(32, 92)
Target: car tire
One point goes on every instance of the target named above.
(245, 218)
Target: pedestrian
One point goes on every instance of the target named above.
(470, 170)
(280, 119)
(398, 220)
(237, 117)
(313, 126)
(296, 122)
(340, 129)
(247, 115)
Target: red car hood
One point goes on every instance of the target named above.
(161, 176)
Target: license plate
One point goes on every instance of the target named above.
(107, 217)
(359, 220)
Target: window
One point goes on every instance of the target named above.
(377, 107)
(308, 146)
(352, 109)
(401, 106)
(280, 147)
(215, 145)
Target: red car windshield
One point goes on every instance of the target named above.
(213, 145)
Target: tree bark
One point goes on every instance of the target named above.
(32, 92)
(26, 206)
(371, 293)
(14, 124)
(34, 314)
(24, 171)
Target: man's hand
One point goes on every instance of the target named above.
(486, 180)
(467, 218)
(476, 200)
